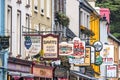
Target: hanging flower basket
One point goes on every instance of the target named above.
(86, 31)
(62, 19)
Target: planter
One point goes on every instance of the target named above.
(86, 31)
(62, 19)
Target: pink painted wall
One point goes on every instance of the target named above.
(106, 12)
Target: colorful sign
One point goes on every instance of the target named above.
(32, 44)
(107, 54)
(43, 72)
(50, 46)
(78, 48)
(65, 48)
(111, 71)
(87, 57)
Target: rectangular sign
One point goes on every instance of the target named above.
(50, 46)
(111, 71)
(87, 57)
(65, 48)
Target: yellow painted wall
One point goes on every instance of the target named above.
(94, 26)
(44, 21)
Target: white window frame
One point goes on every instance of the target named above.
(42, 2)
(36, 5)
(18, 42)
(48, 8)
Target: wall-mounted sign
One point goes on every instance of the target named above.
(65, 48)
(111, 71)
(43, 72)
(4, 42)
(107, 54)
(98, 46)
(32, 44)
(87, 57)
(50, 46)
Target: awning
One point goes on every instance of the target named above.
(27, 75)
(69, 33)
(21, 74)
(82, 75)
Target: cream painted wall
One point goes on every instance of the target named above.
(38, 18)
(21, 7)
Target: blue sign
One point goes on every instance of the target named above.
(27, 42)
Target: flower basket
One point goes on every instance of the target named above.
(86, 31)
(62, 19)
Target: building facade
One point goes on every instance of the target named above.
(17, 18)
(41, 17)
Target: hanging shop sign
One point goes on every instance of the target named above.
(98, 46)
(43, 72)
(65, 48)
(32, 44)
(50, 46)
(107, 54)
(4, 42)
(111, 71)
(78, 51)
(87, 57)
(98, 60)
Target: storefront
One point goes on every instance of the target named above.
(76, 75)
(42, 72)
(19, 69)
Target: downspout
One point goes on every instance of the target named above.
(79, 17)
(53, 23)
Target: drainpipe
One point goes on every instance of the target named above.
(79, 17)
(53, 23)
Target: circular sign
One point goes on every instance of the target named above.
(98, 46)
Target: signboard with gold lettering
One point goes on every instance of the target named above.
(50, 46)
